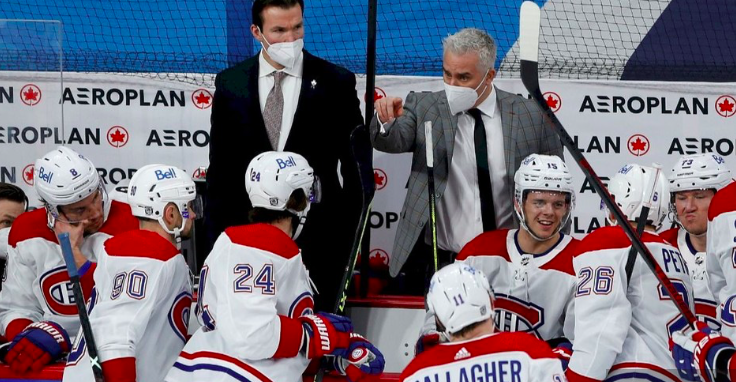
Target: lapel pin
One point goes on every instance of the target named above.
(314, 84)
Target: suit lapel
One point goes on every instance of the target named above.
(448, 128)
(506, 111)
(305, 98)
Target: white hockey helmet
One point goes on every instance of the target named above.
(459, 295)
(699, 172)
(273, 176)
(539, 172)
(154, 186)
(63, 177)
(630, 188)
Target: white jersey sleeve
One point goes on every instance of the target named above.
(721, 258)
(17, 300)
(602, 311)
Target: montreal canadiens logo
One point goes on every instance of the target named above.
(302, 305)
(726, 106)
(28, 174)
(515, 315)
(57, 292)
(179, 315)
(202, 98)
(553, 101)
(117, 136)
(30, 95)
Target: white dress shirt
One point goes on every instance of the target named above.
(291, 85)
(459, 217)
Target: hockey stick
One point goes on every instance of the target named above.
(363, 153)
(430, 188)
(529, 54)
(71, 267)
(642, 222)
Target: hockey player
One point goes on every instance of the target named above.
(720, 259)
(623, 315)
(462, 303)
(693, 183)
(37, 307)
(140, 306)
(531, 267)
(255, 297)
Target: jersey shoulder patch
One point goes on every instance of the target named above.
(724, 201)
(563, 260)
(265, 237)
(140, 243)
(29, 225)
(120, 219)
(670, 236)
(603, 238)
(492, 243)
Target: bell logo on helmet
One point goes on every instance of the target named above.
(45, 176)
(284, 163)
(625, 169)
(169, 174)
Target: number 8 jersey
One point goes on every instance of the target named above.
(253, 286)
(622, 324)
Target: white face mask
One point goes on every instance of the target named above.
(461, 98)
(4, 242)
(284, 53)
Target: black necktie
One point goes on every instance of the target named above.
(484, 174)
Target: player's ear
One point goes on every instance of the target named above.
(171, 212)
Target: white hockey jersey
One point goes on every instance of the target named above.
(507, 357)
(721, 258)
(253, 287)
(139, 312)
(36, 285)
(705, 302)
(534, 293)
(622, 327)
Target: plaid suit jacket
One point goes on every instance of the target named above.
(524, 133)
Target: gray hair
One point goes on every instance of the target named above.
(472, 40)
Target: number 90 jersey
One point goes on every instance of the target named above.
(253, 286)
(623, 325)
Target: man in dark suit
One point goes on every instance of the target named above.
(286, 99)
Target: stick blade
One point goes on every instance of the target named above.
(529, 22)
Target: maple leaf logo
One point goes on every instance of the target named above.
(30, 94)
(28, 174)
(553, 101)
(725, 106)
(117, 136)
(638, 145)
(379, 176)
(202, 98)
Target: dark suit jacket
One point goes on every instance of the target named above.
(327, 112)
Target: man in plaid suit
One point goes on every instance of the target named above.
(511, 127)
